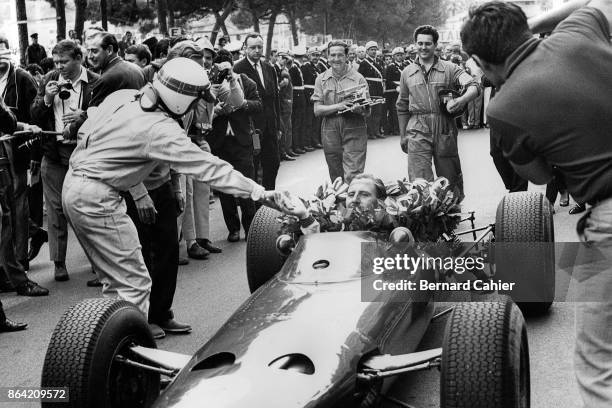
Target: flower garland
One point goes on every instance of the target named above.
(428, 209)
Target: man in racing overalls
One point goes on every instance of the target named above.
(426, 132)
(119, 145)
(344, 136)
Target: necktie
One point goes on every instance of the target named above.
(260, 73)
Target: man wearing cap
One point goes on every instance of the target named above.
(322, 64)
(373, 73)
(343, 130)
(309, 73)
(299, 132)
(35, 52)
(120, 144)
(392, 78)
(427, 132)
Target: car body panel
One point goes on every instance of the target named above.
(313, 315)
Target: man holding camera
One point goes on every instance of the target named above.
(232, 140)
(62, 97)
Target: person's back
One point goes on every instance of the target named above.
(569, 74)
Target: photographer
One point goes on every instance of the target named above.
(62, 97)
(232, 140)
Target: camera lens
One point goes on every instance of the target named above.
(64, 94)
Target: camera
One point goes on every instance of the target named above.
(217, 75)
(64, 89)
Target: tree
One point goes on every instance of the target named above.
(60, 12)
(104, 14)
(22, 29)
(162, 11)
(220, 16)
(80, 16)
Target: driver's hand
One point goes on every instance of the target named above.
(343, 106)
(290, 204)
(146, 210)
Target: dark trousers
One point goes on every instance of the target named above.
(312, 126)
(12, 268)
(268, 159)
(35, 198)
(392, 121)
(373, 121)
(511, 179)
(241, 157)
(160, 250)
(21, 215)
(298, 121)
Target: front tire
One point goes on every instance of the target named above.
(262, 258)
(525, 220)
(485, 357)
(82, 351)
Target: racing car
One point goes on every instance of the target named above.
(305, 338)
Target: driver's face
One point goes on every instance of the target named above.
(361, 193)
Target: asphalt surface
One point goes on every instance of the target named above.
(209, 291)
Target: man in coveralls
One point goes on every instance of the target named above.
(344, 136)
(426, 132)
(119, 145)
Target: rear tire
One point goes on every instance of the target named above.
(81, 356)
(526, 218)
(263, 259)
(485, 357)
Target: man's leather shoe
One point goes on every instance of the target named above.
(197, 252)
(380, 136)
(174, 327)
(183, 261)
(156, 331)
(285, 157)
(309, 148)
(234, 236)
(317, 146)
(30, 288)
(94, 283)
(299, 151)
(207, 245)
(577, 209)
(61, 274)
(293, 154)
(37, 242)
(11, 326)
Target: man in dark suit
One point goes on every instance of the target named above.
(232, 140)
(267, 121)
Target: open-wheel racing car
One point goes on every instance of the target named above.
(305, 338)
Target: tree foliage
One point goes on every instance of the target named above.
(383, 20)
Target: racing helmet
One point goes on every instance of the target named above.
(179, 83)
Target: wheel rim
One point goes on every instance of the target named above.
(128, 386)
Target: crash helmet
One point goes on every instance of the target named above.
(179, 83)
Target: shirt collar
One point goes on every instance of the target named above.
(253, 64)
(82, 76)
(329, 73)
(435, 65)
(519, 54)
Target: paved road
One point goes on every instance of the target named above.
(209, 291)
